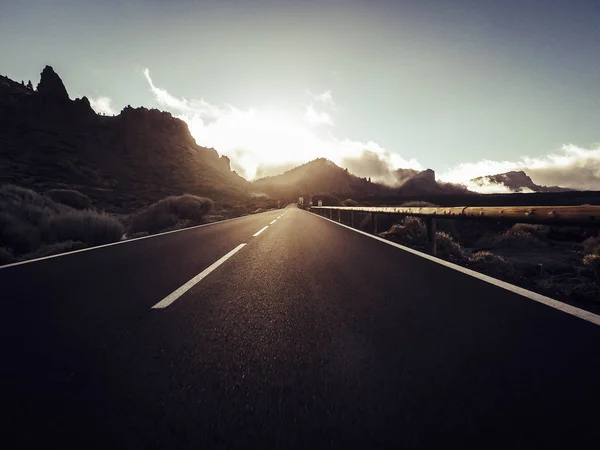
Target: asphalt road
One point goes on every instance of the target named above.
(310, 336)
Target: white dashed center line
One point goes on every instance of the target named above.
(260, 231)
(190, 284)
(273, 222)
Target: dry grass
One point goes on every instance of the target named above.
(592, 245)
(514, 238)
(491, 264)
(448, 248)
(418, 204)
(88, 227)
(30, 221)
(411, 231)
(69, 197)
(171, 213)
(575, 286)
(6, 256)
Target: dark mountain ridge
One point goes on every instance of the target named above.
(516, 181)
(323, 176)
(122, 162)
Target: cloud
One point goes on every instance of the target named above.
(325, 98)
(261, 143)
(571, 166)
(102, 105)
(314, 117)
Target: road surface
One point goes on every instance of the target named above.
(309, 336)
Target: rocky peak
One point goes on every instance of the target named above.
(51, 86)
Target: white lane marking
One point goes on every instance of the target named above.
(260, 231)
(274, 221)
(126, 241)
(190, 284)
(552, 303)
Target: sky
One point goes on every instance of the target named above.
(464, 87)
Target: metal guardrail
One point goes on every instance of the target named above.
(585, 215)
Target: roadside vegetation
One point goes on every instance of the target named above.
(34, 225)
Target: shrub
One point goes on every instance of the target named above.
(512, 238)
(447, 247)
(30, 221)
(540, 231)
(172, 213)
(69, 197)
(6, 256)
(491, 264)
(55, 249)
(591, 264)
(411, 231)
(349, 202)
(592, 245)
(575, 286)
(418, 204)
(88, 227)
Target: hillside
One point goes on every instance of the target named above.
(323, 176)
(49, 141)
(515, 181)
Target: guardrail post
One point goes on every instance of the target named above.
(374, 222)
(339, 215)
(352, 218)
(431, 226)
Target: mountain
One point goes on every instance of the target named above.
(515, 181)
(323, 176)
(141, 155)
(414, 183)
(315, 177)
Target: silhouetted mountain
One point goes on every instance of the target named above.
(49, 141)
(413, 182)
(515, 181)
(321, 175)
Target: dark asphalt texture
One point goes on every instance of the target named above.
(311, 336)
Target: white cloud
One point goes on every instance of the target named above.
(571, 166)
(325, 98)
(315, 117)
(102, 105)
(263, 143)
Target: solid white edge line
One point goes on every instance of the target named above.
(552, 303)
(273, 222)
(190, 284)
(125, 241)
(260, 231)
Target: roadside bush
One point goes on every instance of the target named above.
(591, 264)
(512, 238)
(592, 245)
(171, 213)
(349, 202)
(418, 204)
(55, 249)
(88, 227)
(540, 231)
(6, 256)
(575, 286)
(491, 264)
(447, 247)
(35, 225)
(411, 231)
(70, 197)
